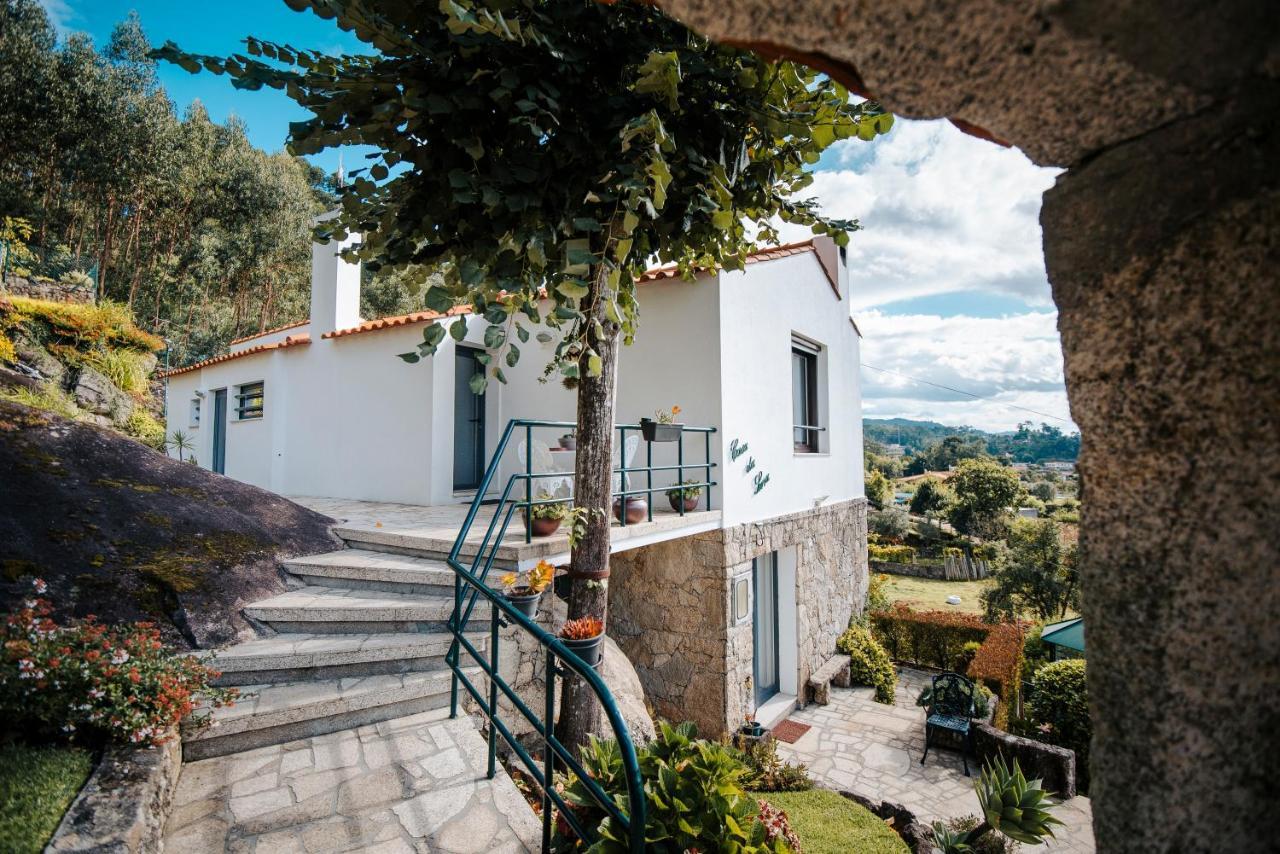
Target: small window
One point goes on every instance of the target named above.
(193, 419)
(249, 401)
(804, 396)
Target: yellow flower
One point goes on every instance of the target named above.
(509, 579)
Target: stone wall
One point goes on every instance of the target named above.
(914, 570)
(124, 805)
(48, 289)
(1056, 766)
(671, 608)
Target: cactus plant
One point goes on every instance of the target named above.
(1011, 805)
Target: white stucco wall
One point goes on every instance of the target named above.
(761, 308)
(345, 418)
(269, 338)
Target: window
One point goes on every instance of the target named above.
(249, 401)
(804, 396)
(193, 419)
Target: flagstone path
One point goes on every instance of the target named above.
(873, 749)
(406, 785)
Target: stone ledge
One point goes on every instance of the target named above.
(1056, 766)
(124, 805)
(915, 833)
(834, 672)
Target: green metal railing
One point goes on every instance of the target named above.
(559, 660)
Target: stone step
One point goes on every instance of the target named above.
(302, 657)
(514, 551)
(363, 569)
(283, 712)
(329, 610)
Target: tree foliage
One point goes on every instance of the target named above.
(931, 497)
(984, 492)
(203, 235)
(530, 143)
(1038, 574)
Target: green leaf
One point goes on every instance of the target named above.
(595, 365)
(545, 337)
(478, 383)
(573, 289)
(439, 299)
(433, 334)
(494, 337)
(660, 75)
(458, 329)
(411, 358)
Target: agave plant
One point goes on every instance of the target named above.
(1011, 805)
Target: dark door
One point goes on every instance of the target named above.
(220, 431)
(468, 422)
(765, 580)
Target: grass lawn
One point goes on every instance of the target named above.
(931, 594)
(37, 784)
(830, 824)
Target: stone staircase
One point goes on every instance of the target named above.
(359, 638)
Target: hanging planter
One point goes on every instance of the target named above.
(524, 589)
(585, 638)
(664, 428)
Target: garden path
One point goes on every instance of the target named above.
(874, 750)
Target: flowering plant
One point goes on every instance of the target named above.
(536, 579)
(87, 679)
(583, 628)
(667, 416)
(776, 825)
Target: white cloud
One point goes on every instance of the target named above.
(61, 15)
(941, 212)
(1013, 363)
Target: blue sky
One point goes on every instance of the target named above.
(948, 272)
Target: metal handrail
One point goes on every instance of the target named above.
(560, 660)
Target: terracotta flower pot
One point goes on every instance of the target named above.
(544, 527)
(690, 504)
(637, 509)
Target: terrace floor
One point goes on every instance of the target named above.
(873, 749)
(434, 528)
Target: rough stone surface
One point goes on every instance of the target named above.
(39, 359)
(1170, 320)
(1056, 766)
(522, 661)
(98, 395)
(411, 784)
(48, 289)
(126, 533)
(671, 610)
(124, 805)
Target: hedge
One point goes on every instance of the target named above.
(891, 554)
(937, 639)
(1059, 710)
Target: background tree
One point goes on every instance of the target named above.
(984, 492)
(1042, 490)
(931, 498)
(1038, 574)
(550, 151)
(879, 490)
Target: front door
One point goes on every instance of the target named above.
(765, 581)
(468, 422)
(220, 431)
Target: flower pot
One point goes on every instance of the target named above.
(690, 504)
(543, 527)
(569, 443)
(654, 431)
(752, 729)
(637, 509)
(525, 603)
(587, 649)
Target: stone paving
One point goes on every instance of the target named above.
(874, 750)
(413, 784)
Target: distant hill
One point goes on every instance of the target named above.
(1029, 443)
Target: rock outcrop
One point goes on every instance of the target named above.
(126, 533)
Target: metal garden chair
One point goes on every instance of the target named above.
(951, 707)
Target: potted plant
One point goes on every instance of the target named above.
(637, 509)
(663, 427)
(544, 519)
(569, 441)
(584, 638)
(684, 495)
(524, 589)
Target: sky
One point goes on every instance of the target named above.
(947, 274)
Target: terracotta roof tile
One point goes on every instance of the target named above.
(771, 253)
(398, 320)
(236, 341)
(291, 341)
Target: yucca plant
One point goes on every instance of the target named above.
(1011, 805)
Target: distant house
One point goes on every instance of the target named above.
(1062, 466)
(1065, 639)
(1028, 513)
(895, 451)
(724, 611)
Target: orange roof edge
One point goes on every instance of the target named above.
(266, 332)
(291, 341)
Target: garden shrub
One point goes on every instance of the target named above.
(766, 771)
(144, 427)
(937, 639)
(91, 682)
(877, 592)
(987, 843)
(892, 525)
(892, 554)
(82, 324)
(126, 370)
(869, 664)
(965, 658)
(694, 797)
(1059, 710)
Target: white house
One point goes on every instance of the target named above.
(722, 611)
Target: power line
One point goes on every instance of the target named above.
(969, 393)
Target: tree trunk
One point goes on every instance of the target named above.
(580, 712)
